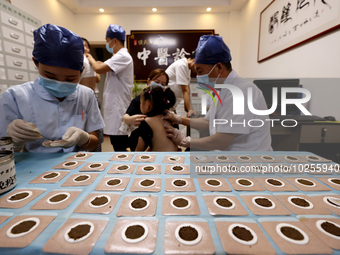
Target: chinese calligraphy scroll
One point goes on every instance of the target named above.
(285, 24)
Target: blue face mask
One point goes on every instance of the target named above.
(203, 80)
(156, 84)
(110, 50)
(58, 89)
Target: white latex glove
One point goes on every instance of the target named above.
(73, 136)
(177, 137)
(173, 118)
(21, 131)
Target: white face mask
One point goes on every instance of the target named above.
(110, 50)
(156, 84)
(203, 79)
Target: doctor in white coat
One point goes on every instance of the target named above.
(118, 85)
(213, 66)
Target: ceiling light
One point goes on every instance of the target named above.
(208, 9)
(154, 9)
(101, 10)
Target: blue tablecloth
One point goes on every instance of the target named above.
(31, 165)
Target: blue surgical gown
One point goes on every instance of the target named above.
(32, 103)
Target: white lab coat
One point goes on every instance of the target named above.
(179, 74)
(248, 138)
(117, 91)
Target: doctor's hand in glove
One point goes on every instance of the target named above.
(73, 136)
(21, 131)
(172, 117)
(177, 137)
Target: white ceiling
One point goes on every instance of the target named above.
(145, 6)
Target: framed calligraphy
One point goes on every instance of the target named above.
(151, 49)
(285, 24)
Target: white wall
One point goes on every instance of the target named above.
(93, 27)
(316, 59)
(319, 58)
(48, 11)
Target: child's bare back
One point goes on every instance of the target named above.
(159, 140)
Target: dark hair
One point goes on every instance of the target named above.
(161, 99)
(85, 40)
(158, 72)
(228, 66)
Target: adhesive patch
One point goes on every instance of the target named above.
(303, 205)
(264, 205)
(113, 184)
(246, 183)
(146, 185)
(23, 230)
(292, 237)
(177, 169)
(275, 184)
(243, 238)
(121, 157)
(180, 205)
(188, 234)
(94, 167)
(307, 184)
(19, 198)
(213, 184)
(102, 203)
(56, 200)
(333, 182)
(179, 185)
(76, 236)
(70, 164)
(122, 169)
(200, 159)
(188, 238)
(326, 229)
(81, 179)
(245, 159)
(174, 159)
(148, 169)
(133, 237)
(145, 158)
(50, 177)
(222, 159)
(138, 206)
(330, 202)
(80, 156)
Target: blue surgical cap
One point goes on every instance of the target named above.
(58, 46)
(211, 50)
(115, 31)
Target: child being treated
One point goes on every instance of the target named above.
(154, 101)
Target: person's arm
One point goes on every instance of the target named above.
(98, 67)
(89, 82)
(186, 97)
(97, 78)
(140, 145)
(134, 120)
(196, 123)
(92, 143)
(218, 141)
